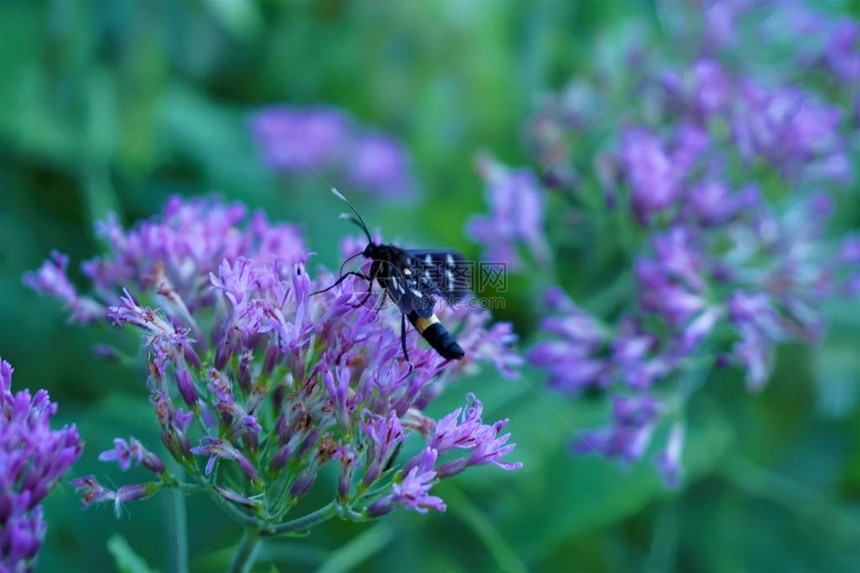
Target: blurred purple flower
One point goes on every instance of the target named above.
(51, 280)
(33, 460)
(710, 86)
(571, 357)
(380, 164)
(721, 18)
(711, 202)
(669, 460)
(731, 181)
(843, 51)
(295, 139)
(788, 127)
(849, 251)
(516, 213)
(629, 437)
(655, 173)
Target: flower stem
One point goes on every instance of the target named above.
(246, 552)
(324, 513)
(177, 528)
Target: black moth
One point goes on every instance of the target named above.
(411, 279)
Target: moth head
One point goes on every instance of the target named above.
(373, 251)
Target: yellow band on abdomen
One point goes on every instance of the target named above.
(422, 324)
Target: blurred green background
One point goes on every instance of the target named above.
(115, 105)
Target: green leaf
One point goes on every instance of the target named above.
(571, 495)
(358, 549)
(127, 561)
(240, 17)
(506, 559)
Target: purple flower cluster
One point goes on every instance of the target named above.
(33, 459)
(516, 215)
(296, 140)
(257, 384)
(718, 199)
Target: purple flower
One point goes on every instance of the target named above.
(669, 460)
(629, 437)
(132, 492)
(721, 18)
(571, 356)
(653, 172)
(385, 434)
(712, 202)
(91, 490)
(672, 300)
(338, 388)
(485, 342)
(51, 280)
(710, 86)
(219, 449)
(348, 460)
(633, 356)
(413, 492)
(381, 164)
(849, 251)
(126, 453)
(33, 460)
(294, 139)
(516, 213)
(277, 381)
(699, 329)
(756, 311)
(788, 127)
(123, 453)
(187, 241)
(755, 354)
(843, 51)
(463, 429)
(648, 168)
(730, 179)
(238, 499)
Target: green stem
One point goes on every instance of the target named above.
(302, 523)
(246, 552)
(358, 549)
(484, 529)
(177, 529)
(249, 522)
(763, 484)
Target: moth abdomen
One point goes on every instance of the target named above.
(437, 336)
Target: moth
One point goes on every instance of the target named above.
(411, 279)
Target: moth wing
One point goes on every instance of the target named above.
(446, 273)
(401, 283)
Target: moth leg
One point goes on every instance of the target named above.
(370, 280)
(403, 339)
(378, 306)
(367, 296)
(341, 279)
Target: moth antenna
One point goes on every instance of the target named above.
(359, 221)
